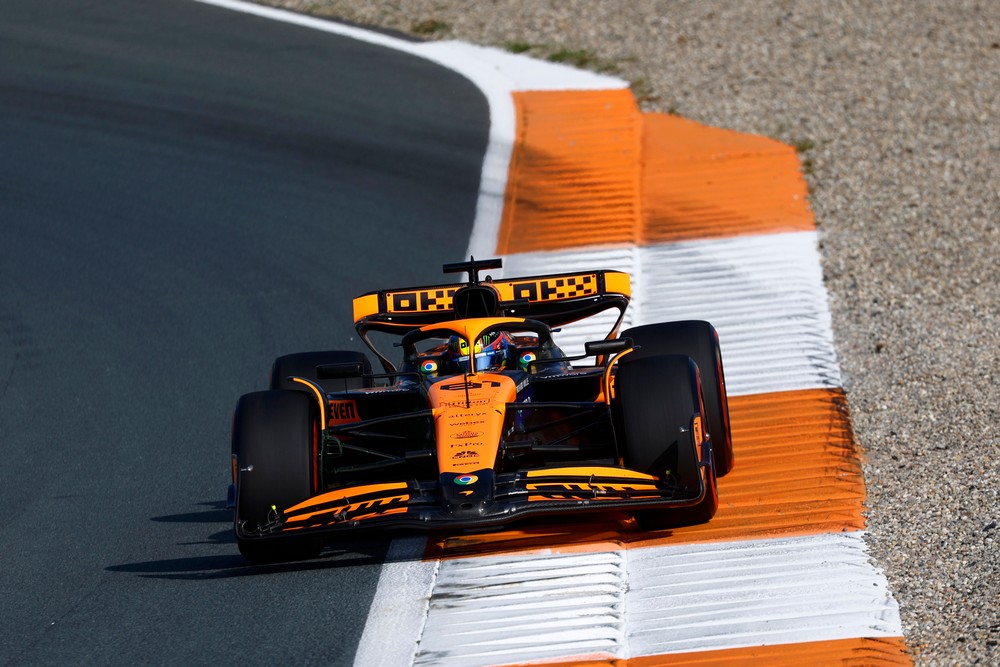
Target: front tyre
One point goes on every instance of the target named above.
(698, 340)
(306, 365)
(656, 398)
(275, 440)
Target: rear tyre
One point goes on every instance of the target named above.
(655, 398)
(274, 438)
(304, 365)
(700, 341)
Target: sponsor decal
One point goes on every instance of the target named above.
(418, 301)
(378, 502)
(466, 480)
(465, 454)
(527, 358)
(572, 491)
(553, 289)
(468, 422)
(466, 435)
(428, 366)
(343, 412)
(459, 402)
(462, 386)
(347, 510)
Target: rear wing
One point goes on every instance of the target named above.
(555, 299)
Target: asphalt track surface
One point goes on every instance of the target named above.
(186, 193)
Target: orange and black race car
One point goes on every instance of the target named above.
(484, 420)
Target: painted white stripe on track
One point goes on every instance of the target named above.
(765, 296)
(503, 609)
(396, 620)
(699, 597)
(658, 600)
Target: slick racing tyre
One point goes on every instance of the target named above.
(655, 399)
(305, 365)
(275, 435)
(698, 340)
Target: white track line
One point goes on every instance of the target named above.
(699, 597)
(620, 604)
(399, 609)
(504, 609)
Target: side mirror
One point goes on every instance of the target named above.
(602, 348)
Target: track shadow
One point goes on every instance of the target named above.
(216, 513)
(198, 568)
(373, 548)
(358, 550)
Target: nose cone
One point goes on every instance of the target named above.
(467, 494)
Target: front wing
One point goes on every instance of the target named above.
(477, 499)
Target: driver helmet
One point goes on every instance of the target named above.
(490, 351)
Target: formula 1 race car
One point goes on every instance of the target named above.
(484, 420)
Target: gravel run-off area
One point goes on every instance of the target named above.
(895, 109)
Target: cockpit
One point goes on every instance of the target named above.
(505, 346)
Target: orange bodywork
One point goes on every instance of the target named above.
(591, 488)
(438, 299)
(468, 418)
(472, 329)
(343, 411)
(469, 411)
(340, 500)
(591, 471)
